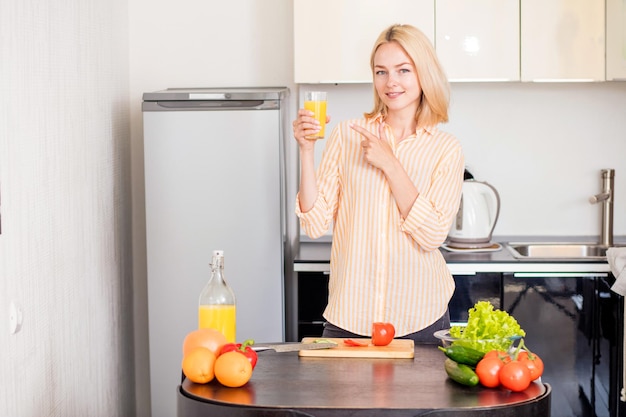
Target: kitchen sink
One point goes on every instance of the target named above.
(546, 250)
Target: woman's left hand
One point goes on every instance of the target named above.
(376, 149)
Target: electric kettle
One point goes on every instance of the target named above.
(478, 212)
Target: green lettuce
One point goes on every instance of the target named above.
(487, 329)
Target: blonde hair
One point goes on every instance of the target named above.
(435, 99)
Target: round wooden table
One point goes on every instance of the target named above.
(284, 384)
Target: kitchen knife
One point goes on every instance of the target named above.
(291, 347)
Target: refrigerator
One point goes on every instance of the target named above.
(215, 178)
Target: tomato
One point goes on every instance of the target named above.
(498, 354)
(382, 333)
(515, 376)
(488, 370)
(532, 362)
(245, 349)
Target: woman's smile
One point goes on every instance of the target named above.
(394, 94)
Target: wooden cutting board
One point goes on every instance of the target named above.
(398, 348)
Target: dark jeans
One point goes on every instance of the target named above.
(424, 336)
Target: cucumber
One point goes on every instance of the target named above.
(460, 373)
(463, 354)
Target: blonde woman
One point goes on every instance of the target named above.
(390, 184)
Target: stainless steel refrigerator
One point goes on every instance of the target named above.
(215, 179)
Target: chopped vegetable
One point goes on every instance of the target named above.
(382, 333)
(323, 341)
(487, 328)
(353, 343)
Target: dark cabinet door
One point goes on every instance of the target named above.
(312, 300)
(609, 353)
(473, 288)
(559, 313)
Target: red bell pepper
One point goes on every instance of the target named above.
(243, 348)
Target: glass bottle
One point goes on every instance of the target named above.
(216, 309)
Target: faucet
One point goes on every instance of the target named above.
(606, 198)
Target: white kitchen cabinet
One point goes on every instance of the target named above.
(333, 39)
(616, 40)
(478, 40)
(562, 40)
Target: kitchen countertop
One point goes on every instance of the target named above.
(284, 384)
(314, 256)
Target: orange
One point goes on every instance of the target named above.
(198, 365)
(209, 338)
(233, 369)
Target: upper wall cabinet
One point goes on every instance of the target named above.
(478, 40)
(616, 40)
(333, 39)
(562, 40)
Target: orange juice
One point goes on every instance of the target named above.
(219, 317)
(319, 108)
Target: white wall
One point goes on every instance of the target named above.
(541, 145)
(65, 244)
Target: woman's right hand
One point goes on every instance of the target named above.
(305, 125)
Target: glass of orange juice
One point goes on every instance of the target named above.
(315, 101)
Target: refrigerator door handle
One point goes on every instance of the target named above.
(173, 105)
(209, 96)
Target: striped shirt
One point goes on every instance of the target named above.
(383, 267)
